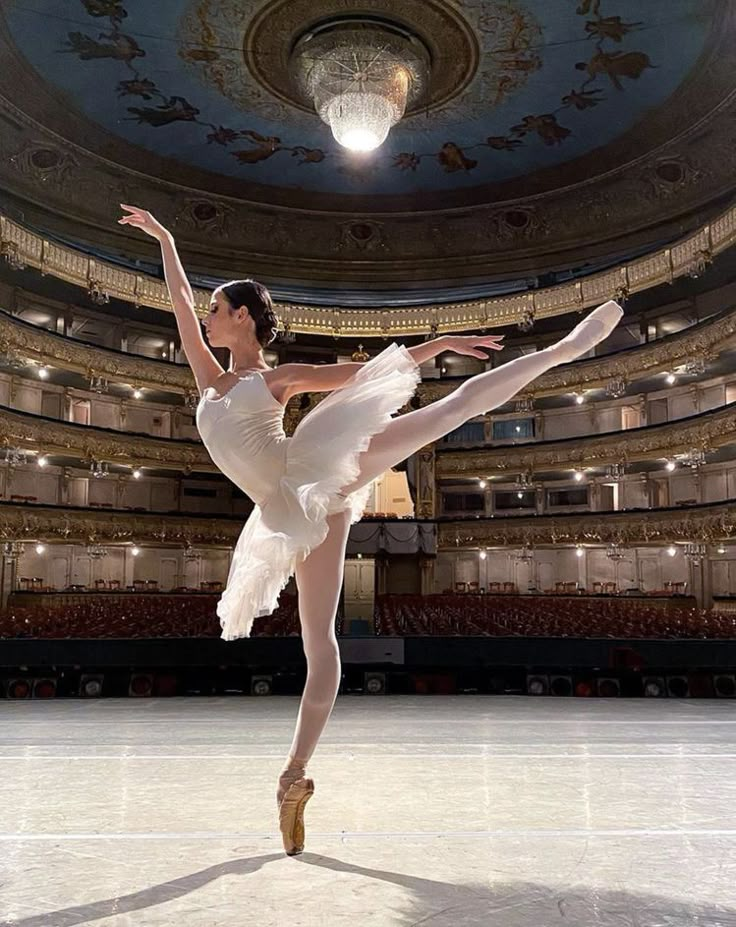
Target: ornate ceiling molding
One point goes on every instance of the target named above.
(667, 172)
(706, 523)
(690, 255)
(708, 431)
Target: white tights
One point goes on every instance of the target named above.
(319, 578)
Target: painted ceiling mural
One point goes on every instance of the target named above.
(556, 80)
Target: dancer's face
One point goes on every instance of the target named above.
(223, 325)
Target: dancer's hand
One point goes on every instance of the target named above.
(143, 220)
(469, 344)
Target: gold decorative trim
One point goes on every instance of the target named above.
(706, 523)
(708, 431)
(36, 434)
(82, 526)
(688, 256)
(706, 340)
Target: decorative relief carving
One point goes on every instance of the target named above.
(709, 430)
(45, 163)
(203, 215)
(638, 275)
(705, 522)
(79, 526)
(708, 523)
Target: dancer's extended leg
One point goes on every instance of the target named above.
(406, 434)
(319, 581)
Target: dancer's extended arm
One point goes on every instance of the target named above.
(205, 366)
(316, 378)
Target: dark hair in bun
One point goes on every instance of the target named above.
(257, 300)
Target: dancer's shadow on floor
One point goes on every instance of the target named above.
(430, 901)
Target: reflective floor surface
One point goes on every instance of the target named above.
(440, 811)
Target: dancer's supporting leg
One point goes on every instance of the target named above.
(319, 581)
(406, 434)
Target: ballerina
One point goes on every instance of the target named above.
(310, 487)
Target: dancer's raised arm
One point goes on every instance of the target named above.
(204, 365)
(316, 378)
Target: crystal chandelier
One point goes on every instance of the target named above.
(99, 384)
(524, 404)
(15, 456)
(615, 388)
(12, 550)
(99, 469)
(615, 552)
(191, 555)
(695, 551)
(96, 551)
(695, 367)
(360, 73)
(615, 472)
(524, 555)
(695, 458)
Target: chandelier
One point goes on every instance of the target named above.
(98, 384)
(695, 458)
(696, 551)
(615, 552)
(360, 72)
(15, 456)
(616, 472)
(616, 387)
(524, 555)
(96, 551)
(191, 555)
(12, 550)
(99, 469)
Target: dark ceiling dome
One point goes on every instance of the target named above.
(549, 135)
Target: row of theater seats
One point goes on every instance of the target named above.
(535, 616)
(562, 588)
(395, 615)
(131, 617)
(36, 584)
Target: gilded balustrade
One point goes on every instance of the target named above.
(691, 255)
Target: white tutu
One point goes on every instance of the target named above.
(321, 458)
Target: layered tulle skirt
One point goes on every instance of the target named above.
(321, 459)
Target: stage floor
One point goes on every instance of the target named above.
(441, 811)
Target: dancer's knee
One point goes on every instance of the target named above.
(320, 644)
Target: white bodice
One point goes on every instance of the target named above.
(243, 432)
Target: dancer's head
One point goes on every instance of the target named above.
(241, 309)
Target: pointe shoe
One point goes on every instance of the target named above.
(295, 769)
(291, 815)
(596, 326)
